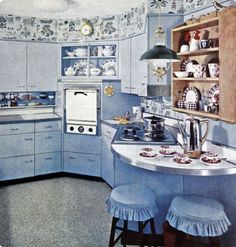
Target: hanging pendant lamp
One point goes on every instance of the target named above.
(160, 57)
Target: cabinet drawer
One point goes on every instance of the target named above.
(16, 145)
(82, 143)
(20, 128)
(47, 163)
(86, 164)
(46, 142)
(108, 131)
(47, 126)
(17, 167)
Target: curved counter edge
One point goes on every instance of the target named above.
(170, 168)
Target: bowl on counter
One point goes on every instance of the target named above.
(181, 74)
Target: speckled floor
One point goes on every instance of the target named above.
(58, 212)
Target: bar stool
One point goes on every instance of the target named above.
(197, 216)
(133, 202)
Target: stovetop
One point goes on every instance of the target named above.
(137, 135)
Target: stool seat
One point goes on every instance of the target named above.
(198, 216)
(133, 202)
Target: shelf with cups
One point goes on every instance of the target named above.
(92, 60)
(196, 78)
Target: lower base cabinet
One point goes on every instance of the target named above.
(47, 163)
(80, 163)
(17, 167)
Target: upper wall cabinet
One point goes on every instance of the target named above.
(42, 66)
(12, 66)
(95, 60)
(135, 74)
(26, 66)
(210, 91)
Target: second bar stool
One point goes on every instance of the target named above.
(133, 202)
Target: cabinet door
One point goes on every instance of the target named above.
(46, 142)
(86, 164)
(15, 145)
(47, 163)
(19, 128)
(17, 167)
(125, 59)
(47, 126)
(12, 66)
(139, 69)
(108, 171)
(42, 66)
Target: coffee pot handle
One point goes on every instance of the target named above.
(207, 129)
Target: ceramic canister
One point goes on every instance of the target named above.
(199, 71)
(213, 69)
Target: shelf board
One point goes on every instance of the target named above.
(198, 25)
(27, 106)
(198, 113)
(68, 58)
(102, 57)
(197, 79)
(199, 52)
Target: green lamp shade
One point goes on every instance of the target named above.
(160, 52)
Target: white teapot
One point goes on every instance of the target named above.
(70, 71)
(108, 50)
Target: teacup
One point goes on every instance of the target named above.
(203, 43)
(181, 158)
(199, 71)
(166, 149)
(211, 157)
(213, 69)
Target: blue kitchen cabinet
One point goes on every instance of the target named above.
(108, 171)
(16, 145)
(81, 163)
(46, 163)
(12, 66)
(82, 154)
(16, 167)
(48, 147)
(16, 128)
(46, 142)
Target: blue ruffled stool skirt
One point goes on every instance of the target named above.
(198, 216)
(133, 202)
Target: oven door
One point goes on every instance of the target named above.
(81, 106)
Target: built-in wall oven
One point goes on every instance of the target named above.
(82, 105)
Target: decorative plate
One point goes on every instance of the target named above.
(210, 162)
(109, 90)
(187, 65)
(148, 155)
(109, 64)
(191, 94)
(213, 94)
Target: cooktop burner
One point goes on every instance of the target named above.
(136, 135)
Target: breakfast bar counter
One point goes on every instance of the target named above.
(131, 154)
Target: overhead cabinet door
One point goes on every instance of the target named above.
(42, 66)
(12, 66)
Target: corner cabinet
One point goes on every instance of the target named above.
(134, 74)
(94, 60)
(217, 91)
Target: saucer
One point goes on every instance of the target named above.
(188, 162)
(210, 162)
(148, 155)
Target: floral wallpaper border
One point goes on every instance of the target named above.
(111, 27)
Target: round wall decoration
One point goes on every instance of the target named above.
(109, 90)
(86, 29)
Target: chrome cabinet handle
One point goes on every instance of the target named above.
(49, 158)
(28, 139)
(91, 160)
(48, 137)
(133, 87)
(14, 129)
(48, 127)
(28, 161)
(21, 86)
(72, 158)
(127, 87)
(109, 132)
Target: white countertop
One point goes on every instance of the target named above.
(130, 155)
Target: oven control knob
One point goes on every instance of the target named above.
(90, 129)
(81, 129)
(71, 128)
